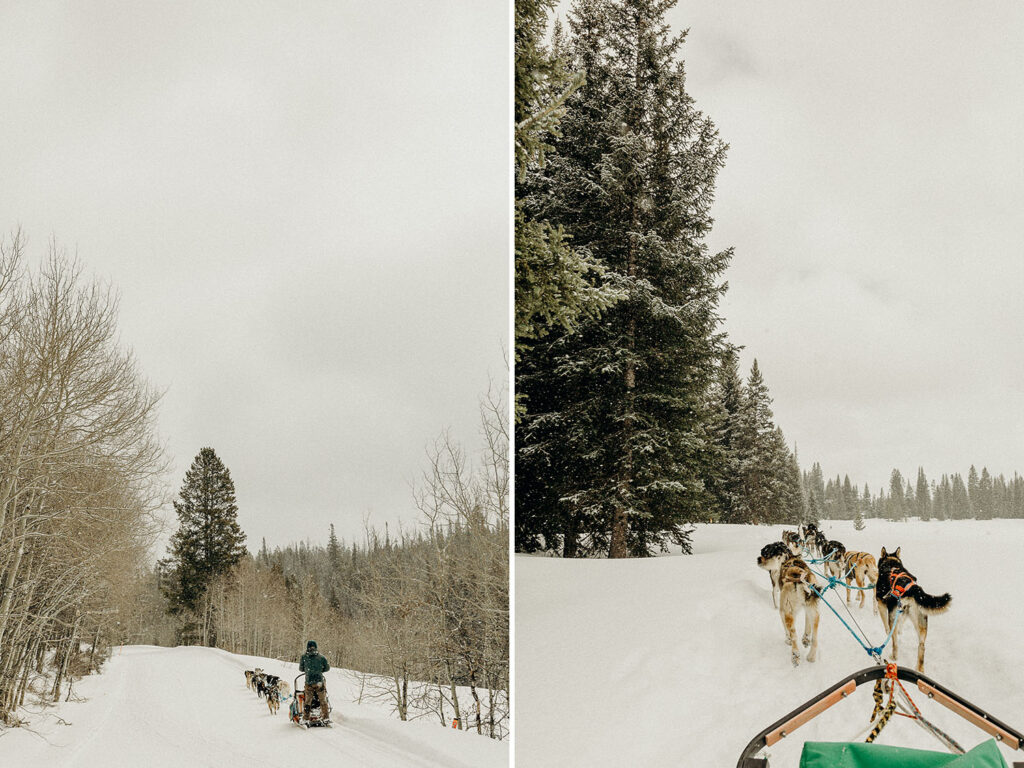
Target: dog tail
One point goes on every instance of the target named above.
(931, 603)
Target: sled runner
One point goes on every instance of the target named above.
(887, 679)
(296, 710)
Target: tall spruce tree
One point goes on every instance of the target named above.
(209, 541)
(333, 550)
(790, 507)
(960, 501)
(614, 444)
(922, 498)
(973, 490)
(986, 507)
(897, 496)
(724, 480)
(555, 283)
(756, 451)
(815, 482)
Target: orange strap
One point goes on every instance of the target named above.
(896, 588)
(890, 674)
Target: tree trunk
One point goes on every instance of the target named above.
(476, 698)
(570, 541)
(455, 704)
(620, 522)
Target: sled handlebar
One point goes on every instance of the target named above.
(780, 729)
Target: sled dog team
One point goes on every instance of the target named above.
(894, 586)
(270, 687)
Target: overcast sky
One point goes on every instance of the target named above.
(305, 209)
(873, 192)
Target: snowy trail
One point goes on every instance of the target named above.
(680, 661)
(158, 707)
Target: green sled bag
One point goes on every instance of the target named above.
(830, 754)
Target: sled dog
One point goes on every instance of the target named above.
(252, 678)
(792, 540)
(273, 690)
(795, 580)
(861, 568)
(896, 588)
(824, 546)
(809, 538)
(834, 551)
(770, 559)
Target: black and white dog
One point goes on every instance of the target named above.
(835, 552)
(896, 587)
(809, 538)
(276, 690)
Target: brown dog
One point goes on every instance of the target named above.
(861, 568)
(795, 581)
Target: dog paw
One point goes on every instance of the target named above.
(806, 640)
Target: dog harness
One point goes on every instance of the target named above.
(899, 583)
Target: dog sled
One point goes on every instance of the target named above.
(888, 679)
(297, 710)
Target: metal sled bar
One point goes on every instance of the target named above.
(808, 710)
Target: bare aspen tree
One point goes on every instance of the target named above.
(78, 465)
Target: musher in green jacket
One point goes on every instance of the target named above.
(314, 665)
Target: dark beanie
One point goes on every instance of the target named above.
(311, 644)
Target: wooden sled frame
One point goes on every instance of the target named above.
(780, 729)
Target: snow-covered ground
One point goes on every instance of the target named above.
(188, 706)
(680, 661)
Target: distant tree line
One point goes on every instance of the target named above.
(981, 497)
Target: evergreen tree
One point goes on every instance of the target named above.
(922, 498)
(555, 283)
(849, 499)
(973, 491)
(960, 499)
(726, 431)
(756, 451)
(1018, 496)
(896, 495)
(815, 494)
(614, 441)
(209, 542)
(792, 505)
(984, 509)
(264, 555)
(333, 550)
(1002, 505)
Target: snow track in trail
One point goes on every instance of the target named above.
(188, 706)
(681, 660)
